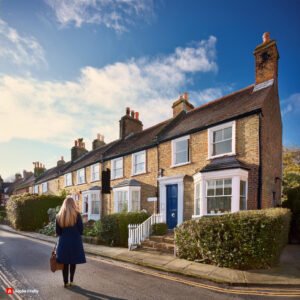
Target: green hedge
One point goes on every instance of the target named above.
(114, 229)
(159, 229)
(243, 240)
(28, 212)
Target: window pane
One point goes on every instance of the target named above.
(135, 201)
(122, 201)
(181, 145)
(139, 158)
(219, 187)
(222, 147)
(95, 207)
(181, 157)
(227, 187)
(118, 163)
(218, 136)
(139, 168)
(218, 204)
(227, 133)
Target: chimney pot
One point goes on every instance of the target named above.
(137, 115)
(76, 143)
(185, 96)
(99, 137)
(127, 111)
(132, 113)
(266, 37)
(61, 158)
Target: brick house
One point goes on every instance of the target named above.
(223, 156)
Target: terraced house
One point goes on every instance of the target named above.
(223, 156)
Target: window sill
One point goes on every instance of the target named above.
(180, 165)
(68, 185)
(95, 180)
(116, 178)
(137, 174)
(81, 183)
(221, 155)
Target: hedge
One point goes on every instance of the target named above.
(243, 240)
(159, 229)
(114, 229)
(28, 212)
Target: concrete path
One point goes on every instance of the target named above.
(287, 273)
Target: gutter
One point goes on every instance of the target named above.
(259, 189)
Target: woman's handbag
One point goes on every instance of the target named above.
(54, 265)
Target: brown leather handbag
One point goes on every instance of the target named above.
(54, 265)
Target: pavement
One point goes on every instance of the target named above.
(286, 273)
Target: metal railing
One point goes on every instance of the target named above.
(140, 232)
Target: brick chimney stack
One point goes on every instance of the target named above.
(61, 162)
(182, 104)
(266, 60)
(39, 168)
(130, 123)
(78, 149)
(98, 142)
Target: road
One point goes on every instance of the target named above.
(24, 266)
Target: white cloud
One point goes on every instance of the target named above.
(291, 104)
(115, 14)
(57, 112)
(20, 50)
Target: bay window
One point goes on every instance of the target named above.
(127, 199)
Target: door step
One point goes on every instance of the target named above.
(164, 244)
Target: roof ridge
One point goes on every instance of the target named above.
(220, 98)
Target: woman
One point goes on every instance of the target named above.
(69, 228)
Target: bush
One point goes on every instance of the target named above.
(49, 229)
(293, 203)
(2, 214)
(92, 229)
(159, 229)
(29, 211)
(243, 240)
(115, 227)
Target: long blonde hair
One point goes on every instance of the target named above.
(67, 215)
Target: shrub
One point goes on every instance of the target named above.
(49, 229)
(29, 211)
(93, 229)
(115, 227)
(2, 214)
(243, 240)
(159, 229)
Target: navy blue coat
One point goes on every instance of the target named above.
(70, 248)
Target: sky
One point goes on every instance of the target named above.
(69, 68)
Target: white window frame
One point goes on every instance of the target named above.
(36, 189)
(87, 198)
(92, 168)
(187, 137)
(133, 160)
(67, 183)
(236, 175)
(78, 176)
(45, 187)
(113, 161)
(129, 190)
(211, 135)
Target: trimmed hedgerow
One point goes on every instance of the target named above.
(243, 240)
(114, 230)
(28, 212)
(159, 229)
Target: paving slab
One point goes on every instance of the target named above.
(177, 265)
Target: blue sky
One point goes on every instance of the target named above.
(68, 68)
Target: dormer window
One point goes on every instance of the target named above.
(221, 140)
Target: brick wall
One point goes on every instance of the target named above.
(271, 151)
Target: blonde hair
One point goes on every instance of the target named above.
(67, 215)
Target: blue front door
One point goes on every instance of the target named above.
(172, 199)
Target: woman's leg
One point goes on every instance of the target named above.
(72, 272)
(65, 272)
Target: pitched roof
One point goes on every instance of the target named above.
(89, 158)
(24, 183)
(229, 107)
(224, 163)
(127, 182)
(136, 142)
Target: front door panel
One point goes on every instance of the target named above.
(172, 204)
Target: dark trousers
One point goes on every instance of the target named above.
(65, 272)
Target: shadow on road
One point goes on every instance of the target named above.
(90, 294)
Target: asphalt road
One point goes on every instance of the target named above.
(24, 266)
